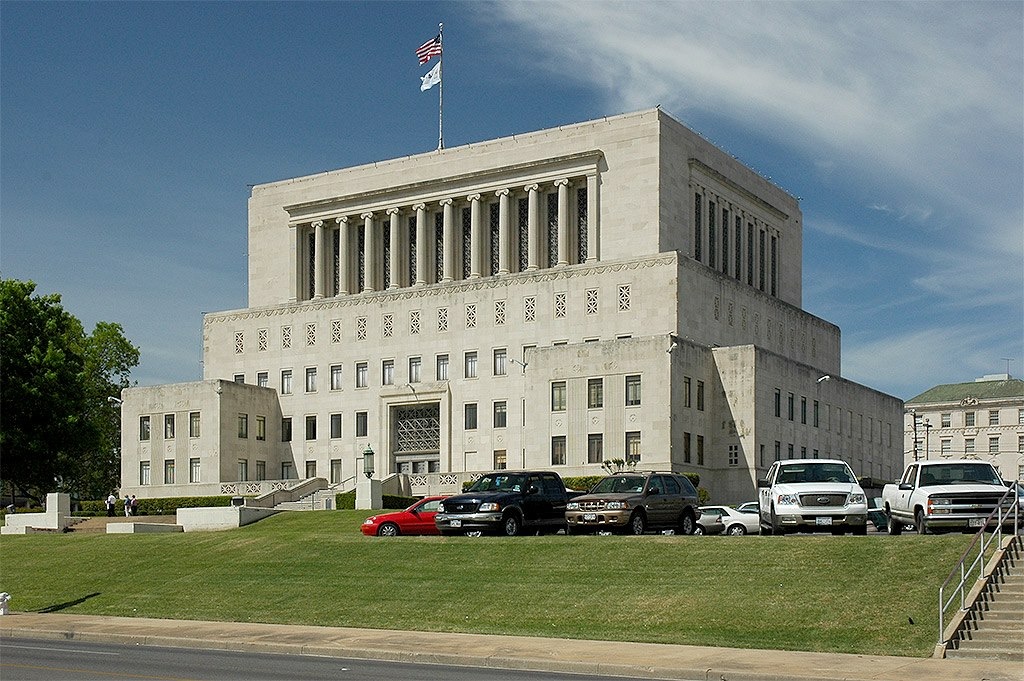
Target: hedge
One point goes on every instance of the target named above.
(347, 500)
(157, 506)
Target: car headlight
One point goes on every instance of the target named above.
(573, 506)
(856, 499)
(490, 507)
(369, 521)
(617, 505)
(940, 502)
(789, 499)
(440, 508)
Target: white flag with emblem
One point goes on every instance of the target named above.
(432, 78)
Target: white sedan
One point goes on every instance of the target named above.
(736, 523)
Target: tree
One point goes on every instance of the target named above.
(57, 430)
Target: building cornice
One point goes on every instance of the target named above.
(708, 171)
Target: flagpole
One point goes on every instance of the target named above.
(440, 89)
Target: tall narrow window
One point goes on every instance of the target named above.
(595, 448)
(558, 396)
(415, 364)
(558, 450)
(243, 426)
(633, 447)
(500, 362)
(335, 426)
(286, 429)
(362, 424)
(711, 235)
(632, 391)
(725, 240)
(143, 428)
(698, 229)
(263, 379)
(362, 375)
(194, 470)
(442, 368)
(700, 395)
(143, 472)
(169, 472)
(687, 389)
(286, 381)
(470, 416)
(595, 393)
(310, 379)
(387, 372)
(193, 424)
(470, 365)
(336, 377)
(500, 414)
(261, 427)
(311, 427)
(168, 426)
(700, 450)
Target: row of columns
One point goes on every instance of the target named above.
(755, 248)
(425, 240)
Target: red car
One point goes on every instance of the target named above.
(417, 519)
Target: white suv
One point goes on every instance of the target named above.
(811, 495)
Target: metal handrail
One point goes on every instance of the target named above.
(983, 541)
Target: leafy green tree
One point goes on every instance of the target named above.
(58, 432)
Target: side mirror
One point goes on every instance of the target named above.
(906, 486)
(762, 482)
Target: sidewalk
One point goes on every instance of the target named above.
(641, 660)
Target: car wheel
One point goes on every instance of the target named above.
(920, 524)
(511, 526)
(687, 525)
(776, 525)
(637, 523)
(736, 530)
(860, 530)
(892, 525)
(388, 530)
(699, 529)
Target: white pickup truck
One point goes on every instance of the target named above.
(811, 495)
(943, 495)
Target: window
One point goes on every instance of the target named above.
(700, 395)
(500, 362)
(1020, 417)
(778, 450)
(789, 452)
(387, 371)
(169, 472)
(558, 450)
(595, 393)
(500, 460)
(194, 470)
(239, 378)
(778, 403)
(993, 417)
(700, 450)
(263, 379)
(595, 448)
(946, 420)
(336, 377)
(632, 391)
(969, 445)
(415, 363)
(336, 471)
(286, 381)
(362, 424)
(470, 365)
(993, 445)
(243, 426)
(286, 429)
(287, 471)
(442, 368)
(362, 375)
(143, 428)
(687, 448)
(633, 447)
(261, 470)
(687, 402)
(335, 425)
(969, 419)
(500, 414)
(803, 410)
(311, 469)
(789, 406)
(469, 419)
(143, 472)
(734, 455)
(311, 427)
(815, 416)
(558, 396)
(310, 379)
(261, 427)
(243, 470)
(168, 426)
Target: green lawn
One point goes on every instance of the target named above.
(823, 593)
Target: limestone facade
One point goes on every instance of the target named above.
(614, 289)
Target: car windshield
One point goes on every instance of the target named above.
(619, 484)
(498, 482)
(959, 474)
(816, 472)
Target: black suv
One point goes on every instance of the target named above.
(508, 503)
(634, 503)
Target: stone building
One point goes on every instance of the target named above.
(614, 289)
(983, 419)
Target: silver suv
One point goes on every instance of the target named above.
(634, 503)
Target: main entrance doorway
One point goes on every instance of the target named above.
(416, 438)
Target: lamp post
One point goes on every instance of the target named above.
(927, 443)
(368, 490)
(368, 462)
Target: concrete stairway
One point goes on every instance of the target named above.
(994, 628)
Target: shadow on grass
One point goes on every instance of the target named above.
(68, 604)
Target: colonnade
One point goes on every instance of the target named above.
(401, 245)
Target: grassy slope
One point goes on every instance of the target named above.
(840, 594)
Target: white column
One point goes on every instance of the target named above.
(343, 255)
(318, 259)
(396, 248)
(422, 244)
(449, 242)
(593, 217)
(533, 227)
(503, 236)
(295, 268)
(563, 221)
(369, 253)
(475, 236)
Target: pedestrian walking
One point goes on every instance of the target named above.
(135, 505)
(127, 506)
(111, 505)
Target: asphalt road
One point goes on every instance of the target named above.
(53, 660)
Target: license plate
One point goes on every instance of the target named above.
(975, 522)
(590, 516)
(823, 520)
(455, 523)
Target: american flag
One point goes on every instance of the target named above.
(429, 49)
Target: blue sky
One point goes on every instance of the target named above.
(129, 133)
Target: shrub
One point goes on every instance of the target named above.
(345, 500)
(157, 506)
(582, 482)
